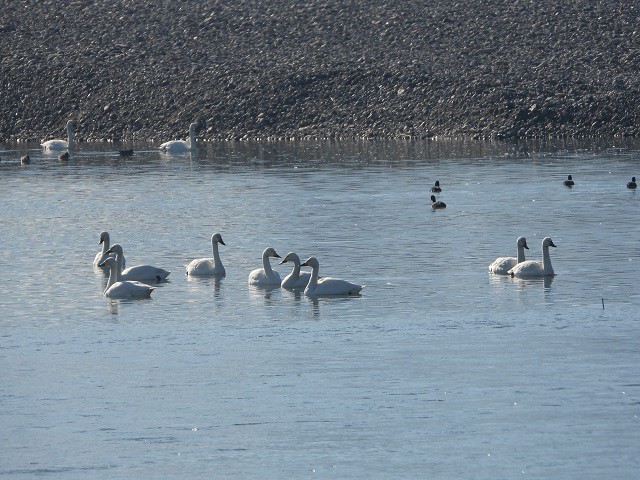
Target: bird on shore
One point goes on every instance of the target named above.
(25, 160)
(437, 204)
(178, 146)
(61, 144)
(436, 188)
(126, 153)
(569, 182)
(63, 157)
(632, 184)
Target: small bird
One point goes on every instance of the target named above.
(436, 188)
(437, 204)
(126, 153)
(25, 160)
(63, 157)
(568, 182)
(632, 184)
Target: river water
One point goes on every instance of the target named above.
(438, 370)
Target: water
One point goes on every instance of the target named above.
(438, 370)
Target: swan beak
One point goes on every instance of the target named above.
(101, 264)
(525, 246)
(276, 255)
(221, 242)
(283, 261)
(551, 244)
(305, 264)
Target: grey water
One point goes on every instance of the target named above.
(438, 370)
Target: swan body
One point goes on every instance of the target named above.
(117, 288)
(265, 275)
(569, 182)
(295, 279)
(327, 285)
(632, 184)
(103, 255)
(178, 146)
(436, 188)
(437, 204)
(61, 144)
(533, 268)
(141, 273)
(208, 267)
(502, 265)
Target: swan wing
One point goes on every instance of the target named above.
(127, 289)
(145, 273)
(55, 145)
(502, 265)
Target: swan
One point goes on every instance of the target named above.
(140, 273)
(502, 265)
(632, 184)
(326, 285)
(533, 268)
(103, 255)
(208, 267)
(117, 288)
(61, 144)
(569, 182)
(437, 204)
(265, 275)
(436, 188)
(294, 279)
(177, 146)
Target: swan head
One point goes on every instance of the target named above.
(547, 242)
(291, 257)
(117, 249)
(270, 252)
(108, 262)
(192, 127)
(217, 238)
(311, 262)
(522, 242)
(70, 124)
(104, 237)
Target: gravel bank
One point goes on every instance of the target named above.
(319, 68)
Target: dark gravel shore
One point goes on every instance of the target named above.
(127, 69)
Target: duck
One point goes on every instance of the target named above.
(103, 255)
(25, 160)
(61, 144)
(327, 286)
(569, 182)
(123, 289)
(126, 153)
(502, 265)
(436, 188)
(295, 279)
(265, 275)
(437, 204)
(534, 268)
(632, 184)
(208, 267)
(63, 157)
(178, 146)
(140, 273)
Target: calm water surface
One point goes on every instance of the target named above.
(438, 370)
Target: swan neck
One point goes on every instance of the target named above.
(105, 246)
(546, 260)
(192, 138)
(114, 275)
(520, 254)
(216, 255)
(119, 266)
(313, 281)
(266, 265)
(70, 137)
(296, 270)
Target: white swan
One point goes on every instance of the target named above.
(61, 144)
(533, 268)
(208, 267)
(117, 288)
(177, 146)
(502, 265)
(265, 275)
(295, 279)
(103, 255)
(327, 286)
(141, 273)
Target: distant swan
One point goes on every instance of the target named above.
(61, 144)
(632, 184)
(502, 265)
(437, 204)
(294, 279)
(569, 182)
(117, 288)
(141, 273)
(532, 268)
(103, 255)
(208, 267)
(177, 146)
(327, 286)
(265, 275)
(436, 188)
